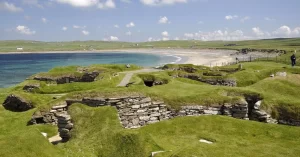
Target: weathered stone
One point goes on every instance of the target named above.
(135, 106)
(145, 104)
(17, 104)
(155, 115)
(135, 121)
(257, 105)
(146, 118)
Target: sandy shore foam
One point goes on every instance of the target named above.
(206, 57)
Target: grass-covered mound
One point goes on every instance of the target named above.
(98, 132)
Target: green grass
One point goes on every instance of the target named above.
(284, 44)
(231, 137)
(98, 131)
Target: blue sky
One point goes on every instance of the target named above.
(148, 20)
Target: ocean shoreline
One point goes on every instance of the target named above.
(184, 56)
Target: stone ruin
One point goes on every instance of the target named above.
(86, 77)
(17, 104)
(138, 111)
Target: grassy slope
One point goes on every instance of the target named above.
(10, 46)
(106, 137)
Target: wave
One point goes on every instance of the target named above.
(178, 59)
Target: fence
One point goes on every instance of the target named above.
(243, 59)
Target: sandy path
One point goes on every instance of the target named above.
(129, 74)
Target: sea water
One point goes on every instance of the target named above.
(15, 68)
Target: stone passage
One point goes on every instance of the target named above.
(59, 116)
(137, 111)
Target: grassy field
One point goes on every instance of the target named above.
(98, 132)
(32, 46)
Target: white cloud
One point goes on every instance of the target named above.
(283, 31)
(231, 17)
(162, 2)
(163, 20)
(113, 38)
(245, 18)
(150, 39)
(116, 26)
(84, 32)
(269, 19)
(24, 30)
(296, 31)
(126, 1)
(79, 27)
(109, 4)
(10, 7)
(257, 31)
(128, 33)
(188, 35)
(131, 24)
(32, 3)
(79, 3)
(176, 38)
(44, 20)
(165, 34)
(64, 28)
(218, 35)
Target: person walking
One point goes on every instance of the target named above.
(293, 59)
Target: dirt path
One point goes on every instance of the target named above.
(129, 74)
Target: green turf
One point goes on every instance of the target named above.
(98, 131)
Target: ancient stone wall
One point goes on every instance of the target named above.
(137, 111)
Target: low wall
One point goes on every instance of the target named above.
(137, 111)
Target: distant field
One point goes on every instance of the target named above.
(33, 46)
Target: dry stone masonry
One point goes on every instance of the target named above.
(137, 111)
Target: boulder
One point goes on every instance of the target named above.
(17, 104)
(31, 87)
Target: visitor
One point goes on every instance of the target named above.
(293, 59)
(237, 60)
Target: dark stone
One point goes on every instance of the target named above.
(31, 87)
(17, 104)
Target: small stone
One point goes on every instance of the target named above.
(153, 118)
(155, 115)
(146, 118)
(135, 121)
(135, 106)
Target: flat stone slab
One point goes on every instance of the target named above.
(205, 141)
(55, 139)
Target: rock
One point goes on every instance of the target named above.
(155, 115)
(282, 74)
(240, 66)
(59, 107)
(157, 152)
(146, 118)
(44, 134)
(135, 106)
(135, 121)
(205, 141)
(272, 75)
(257, 105)
(17, 104)
(31, 87)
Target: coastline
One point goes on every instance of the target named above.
(208, 57)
